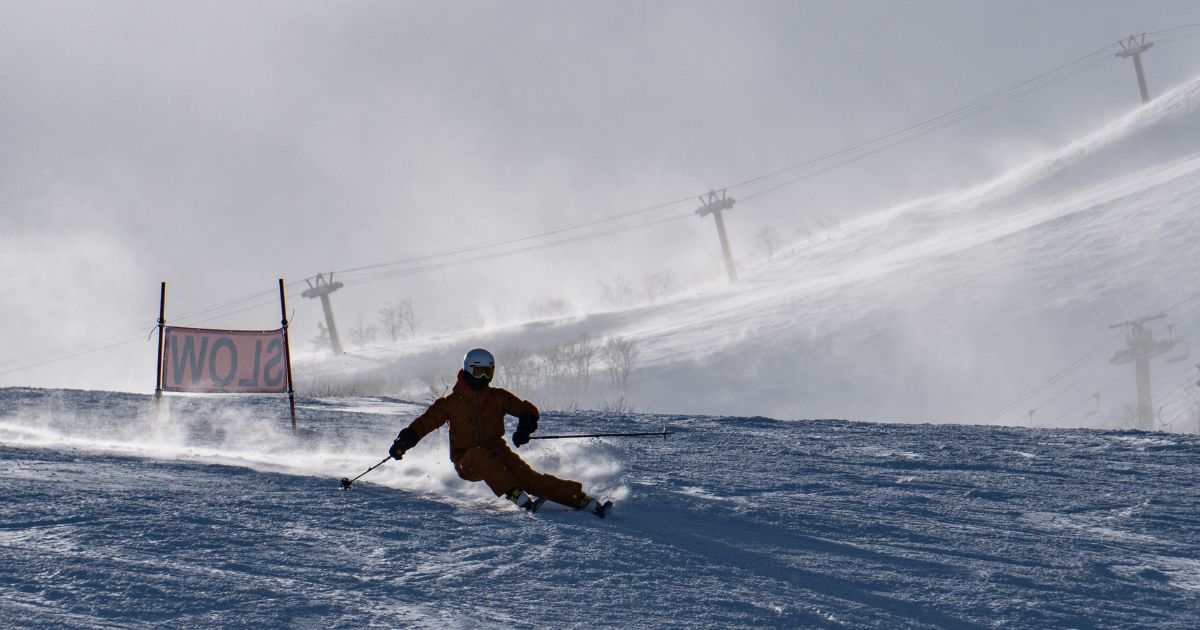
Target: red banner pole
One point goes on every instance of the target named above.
(162, 311)
(287, 354)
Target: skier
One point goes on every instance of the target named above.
(475, 413)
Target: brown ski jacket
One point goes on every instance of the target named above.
(476, 418)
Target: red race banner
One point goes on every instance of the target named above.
(224, 361)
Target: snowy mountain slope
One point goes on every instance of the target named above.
(214, 515)
(942, 309)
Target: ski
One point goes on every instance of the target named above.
(602, 509)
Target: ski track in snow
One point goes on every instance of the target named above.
(221, 518)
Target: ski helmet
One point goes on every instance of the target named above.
(480, 363)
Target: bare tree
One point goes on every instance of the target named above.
(519, 368)
(398, 318)
(579, 356)
(555, 360)
(620, 353)
(659, 285)
(549, 307)
(437, 384)
(768, 241)
(362, 334)
(620, 405)
(617, 294)
(806, 232)
(389, 321)
(1124, 417)
(408, 317)
(829, 224)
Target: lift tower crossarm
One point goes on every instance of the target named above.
(714, 204)
(1134, 47)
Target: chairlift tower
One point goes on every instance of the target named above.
(1134, 47)
(714, 204)
(1140, 348)
(320, 286)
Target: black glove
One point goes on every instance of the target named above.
(526, 425)
(406, 440)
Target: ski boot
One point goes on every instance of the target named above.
(524, 500)
(591, 504)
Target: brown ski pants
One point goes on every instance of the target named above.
(503, 470)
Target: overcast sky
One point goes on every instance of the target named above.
(219, 146)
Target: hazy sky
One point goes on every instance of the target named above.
(219, 146)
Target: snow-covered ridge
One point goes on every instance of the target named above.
(1147, 137)
(1146, 148)
(941, 309)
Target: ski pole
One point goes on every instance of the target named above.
(347, 482)
(663, 433)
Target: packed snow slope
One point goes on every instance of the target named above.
(942, 309)
(212, 514)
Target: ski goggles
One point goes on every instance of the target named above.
(482, 371)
